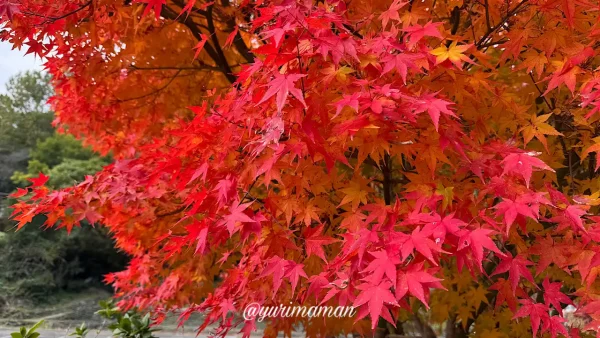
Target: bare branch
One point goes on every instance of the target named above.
(154, 91)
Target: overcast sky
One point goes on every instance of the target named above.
(14, 61)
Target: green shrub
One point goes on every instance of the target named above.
(24, 333)
(80, 332)
(130, 324)
(36, 264)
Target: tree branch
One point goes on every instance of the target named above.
(238, 41)
(56, 18)
(200, 68)
(487, 15)
(500, 24)
(197, 33)
(215, 39)
(154, 91)
(171, 213)
(386, 170)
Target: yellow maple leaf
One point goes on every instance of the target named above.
(339, 73)
(462, 280)
(593, 199)
(492, 334)
(464, 314)
(447, 193)
(476, 296)
(454, 53)
(310, 213)
(370, 59)
(356, 192)
(595, 148)
(534, 60)
(538, 128)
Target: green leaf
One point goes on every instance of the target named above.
(36, 326)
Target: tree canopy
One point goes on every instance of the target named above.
(24, 120)
(431, 162)
(36, 266)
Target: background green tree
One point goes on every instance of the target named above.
(37, 265)
(63, 158)
(24, 116)
(24, 120)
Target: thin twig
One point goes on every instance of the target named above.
(500, 24)
(200, 68)
(56, 18)
(487, 15)
(541, 93)
(155, 91)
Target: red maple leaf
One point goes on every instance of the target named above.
(278, 33)
(198, 231)
(401, 63)
(19, 193)
(248, 328)
(236, 214)
(549, 252)
(155, 5)
(440, 227)
(189, 6)
(415, 281)
(419, 240)
(282, 85)
(569, 10)
(347, 100)
(376, 296)
(434, 107)
(35, 47)
(509, 210)
(294, 272)
(39, 181)
(352, 126)
(573, 214)
(553, 296)
(522, 164)
(506, 294)
(358, 242)
(555, 325)
(417, 32)
(383, 264)
(536, 312)
(231, 37)
(316, 284)
(392, 13)
(276, 269)
(314, 242)
(200, 45)
(8, 8)
(516, 268)
(478, 240)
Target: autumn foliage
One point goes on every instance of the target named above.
(431, 162)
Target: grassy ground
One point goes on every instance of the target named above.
(67, 311)
(60, 311)
(63, 312)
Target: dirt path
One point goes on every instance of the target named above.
(80, 309)
(5, 333)
(164, 333)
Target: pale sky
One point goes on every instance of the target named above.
(13, 62)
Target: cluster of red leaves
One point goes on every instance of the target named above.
(265, 184)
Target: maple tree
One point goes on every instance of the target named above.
(431, 162)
